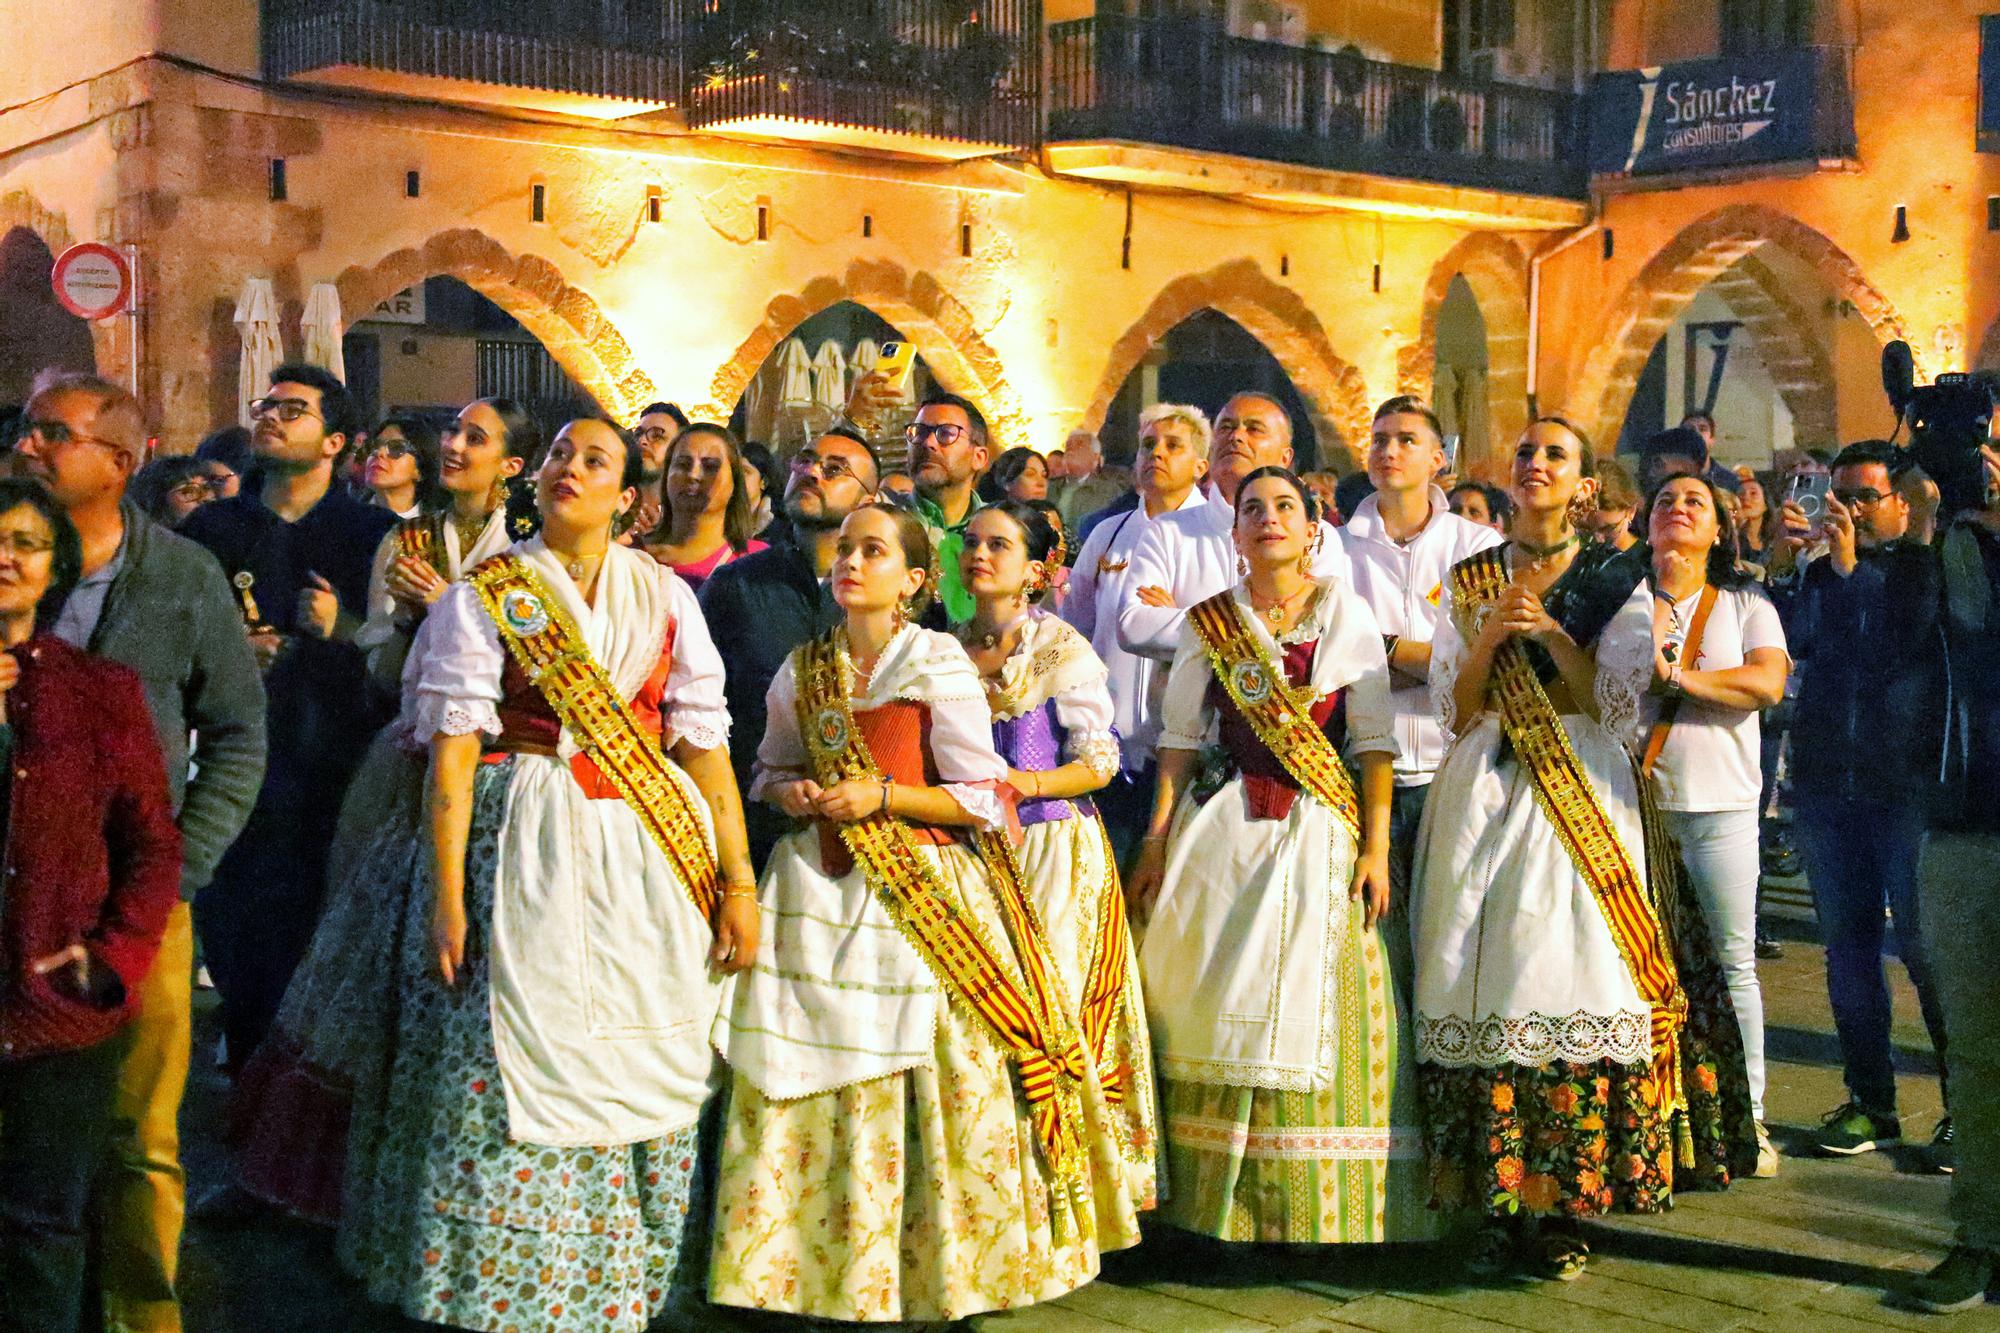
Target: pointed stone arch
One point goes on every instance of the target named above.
(1700, 253)
(1334, 390)
(1496, 270)
(565, 319)
(944, 330)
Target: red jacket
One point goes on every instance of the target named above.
(91, 853)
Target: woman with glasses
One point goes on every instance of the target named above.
(331, 1042)
(167, 490)
(708, 518)
(91, 861)
(399, 465)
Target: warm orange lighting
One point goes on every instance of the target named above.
(431, 87)
(767, 128)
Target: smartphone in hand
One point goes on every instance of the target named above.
(1808, 490)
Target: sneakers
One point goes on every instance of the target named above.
(1767, 1155)
(1959, 1283)
(1944, 1149)
(1849, 1131)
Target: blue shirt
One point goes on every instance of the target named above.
(85, 605)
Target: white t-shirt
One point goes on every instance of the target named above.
(1711, 759)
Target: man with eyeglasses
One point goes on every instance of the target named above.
(658, 427)
(300, 549)
(762, 606)
(159, 604)
(1864, 753)
(1190, 554)
(948, 454)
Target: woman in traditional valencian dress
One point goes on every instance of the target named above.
(1289, 1099)
(292, 1106)
(913, 1128)
(1052, 723)
(535, 1164)
(1551, 1015)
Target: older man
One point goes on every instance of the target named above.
(1086, 487)
(1173, 458)
(761, 607)
(159, 604)
(1190, 555)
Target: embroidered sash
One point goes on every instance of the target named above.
(1023, 1013)
(1563, 790)
(421, 538)
(549, 648)
(1279, 715)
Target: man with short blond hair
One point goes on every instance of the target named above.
(159, 604)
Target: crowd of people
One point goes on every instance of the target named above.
(638, 872)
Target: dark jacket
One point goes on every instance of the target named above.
(758, 610)
(1870, 719)
(91, 852)
(172, 617)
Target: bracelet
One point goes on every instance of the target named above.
(739, 890)
(885, 798)
(1154, 837)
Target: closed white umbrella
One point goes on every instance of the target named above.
(263, 348)
(829, 373)
(866, 353)
(321, 330)
(795, 385)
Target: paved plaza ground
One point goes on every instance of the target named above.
(1813, 1251)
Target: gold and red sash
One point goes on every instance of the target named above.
(547, 645)
(1280, 715)
(1024, 1013)
(1566, 796)
(422, 538)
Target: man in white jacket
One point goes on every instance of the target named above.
(1401, 545)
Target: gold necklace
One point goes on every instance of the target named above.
(991, 639)
(469, 531)
(1276, 612)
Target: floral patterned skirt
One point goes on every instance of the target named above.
(455, 1223)
(920, 1196)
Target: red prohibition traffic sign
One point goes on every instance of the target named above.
(92, 280)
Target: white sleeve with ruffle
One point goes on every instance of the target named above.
(1186, 722)
(961, 742)
(781, 754)
(457, 679)
(1447, 653)
(1086, 713)
(694, 709)
(1625, 655)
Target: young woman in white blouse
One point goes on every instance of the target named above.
(1720, 659)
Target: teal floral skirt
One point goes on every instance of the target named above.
(454, 1223)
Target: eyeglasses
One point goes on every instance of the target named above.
(56, 434)
(947, 433)
(829, 469)
(653, 435)
(1866, 495)
(196, 489)
(288, 409)
(25, 544)
(390, 448)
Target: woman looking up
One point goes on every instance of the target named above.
(399, 465)
(708, 518)
(590, 877)
(1290, 1099)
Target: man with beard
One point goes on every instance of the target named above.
(761, 607)
(659, 426)
(948, 453)
(299, 549)
(1190, 555)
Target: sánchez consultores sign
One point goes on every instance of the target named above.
(1728, 111)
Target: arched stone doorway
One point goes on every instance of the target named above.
(564, 319)
(1333, 393)
(803, 385)
(1787, 286)
(916, 307)
(1474, 328)
(36, 333)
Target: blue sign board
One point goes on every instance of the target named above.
(1729, 111)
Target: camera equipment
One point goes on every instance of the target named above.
(1948, 421)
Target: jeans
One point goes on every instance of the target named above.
(1961, 894)
(1719, 849)
(142, 1194)
(1860, 857)
(1406, 818)
(1126, 806)
(53, 1114)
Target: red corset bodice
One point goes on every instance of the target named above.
(529, 726)
(898, 735)
(1272, 790)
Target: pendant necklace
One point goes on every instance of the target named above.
(992, 639)
(1540, 556)
(1276, 611)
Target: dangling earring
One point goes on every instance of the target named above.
(903, 609)
(1580, 507)
(1311, 551)
(1242, 566)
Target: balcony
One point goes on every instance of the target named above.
(605, 59)
(939, 79)
(1179, 102)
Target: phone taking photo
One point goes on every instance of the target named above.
(894, 362)
(1808, 490)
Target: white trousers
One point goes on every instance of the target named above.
(1719, 849)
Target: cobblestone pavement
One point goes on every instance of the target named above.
(1813, 1251)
